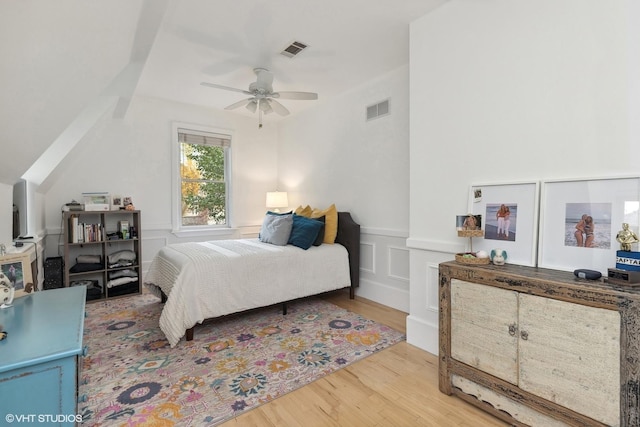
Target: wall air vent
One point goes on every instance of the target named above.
(293, 49)
(378, 110)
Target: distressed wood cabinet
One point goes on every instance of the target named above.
(539, 347)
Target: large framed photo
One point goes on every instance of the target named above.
(510, 213)
(16, 272)
(580, 220)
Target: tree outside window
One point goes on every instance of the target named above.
(203, 164)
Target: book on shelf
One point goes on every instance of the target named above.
(73, 229)
(84, 232)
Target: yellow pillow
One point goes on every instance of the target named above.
(330, 222)
(306, 211)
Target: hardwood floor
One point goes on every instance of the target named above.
(396, 387)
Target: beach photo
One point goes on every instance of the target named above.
(501, 221)
(588, 225)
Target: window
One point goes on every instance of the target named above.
(203, 188)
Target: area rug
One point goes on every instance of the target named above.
(131, 376)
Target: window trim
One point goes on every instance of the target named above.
(176, 197)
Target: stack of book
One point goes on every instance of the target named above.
(84, 232)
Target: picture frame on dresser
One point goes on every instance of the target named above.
(600, 204)
(17, 269)
(518, 237)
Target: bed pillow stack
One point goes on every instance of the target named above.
(330, 215)
(305, 228)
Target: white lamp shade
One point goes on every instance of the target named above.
(277, 199)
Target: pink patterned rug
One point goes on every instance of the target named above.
(234, 364)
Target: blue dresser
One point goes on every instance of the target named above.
(40, 358)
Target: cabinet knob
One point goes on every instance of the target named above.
(85, 351)
(513, 328)
(524, 335)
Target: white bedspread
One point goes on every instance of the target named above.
(211, 279)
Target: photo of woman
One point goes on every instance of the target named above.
(501, 221)
(588, 225)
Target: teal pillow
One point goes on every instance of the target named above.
(304, 231)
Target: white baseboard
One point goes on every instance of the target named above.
(383, 294)
(422, 334)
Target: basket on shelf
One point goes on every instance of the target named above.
(476, 261)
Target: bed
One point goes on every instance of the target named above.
(203, 280)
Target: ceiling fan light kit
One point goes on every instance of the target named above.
(262, 97)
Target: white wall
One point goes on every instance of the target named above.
(331, 154)
(133, 157)
(507, 91)
(6, 213)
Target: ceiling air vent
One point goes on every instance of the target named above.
(378, 110)
(293, 49)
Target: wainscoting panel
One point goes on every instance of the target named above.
(367, 257)
(398, 263)
(422, 322)
(432, 303)
(384, 268)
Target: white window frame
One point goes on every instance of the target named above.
(176, 179)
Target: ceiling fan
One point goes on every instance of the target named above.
(262, 97)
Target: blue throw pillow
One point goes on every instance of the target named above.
(276, 229)
(304, 231)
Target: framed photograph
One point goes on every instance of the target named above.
(16, 271)
(116, 202)
(581, 218)
(96, 201)
(468, 222)
(510, 214)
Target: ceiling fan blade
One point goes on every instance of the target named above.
(295, 95)
(225, 88)
(239, 104)
(278, 108)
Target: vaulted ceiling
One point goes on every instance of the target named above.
(64, 60)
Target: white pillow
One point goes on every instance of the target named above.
(276, 229)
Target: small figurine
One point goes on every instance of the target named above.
(498, 256)
(626, 237)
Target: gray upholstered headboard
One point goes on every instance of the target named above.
(349, 237)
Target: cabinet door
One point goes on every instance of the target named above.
(571, 356)
(481, 317)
